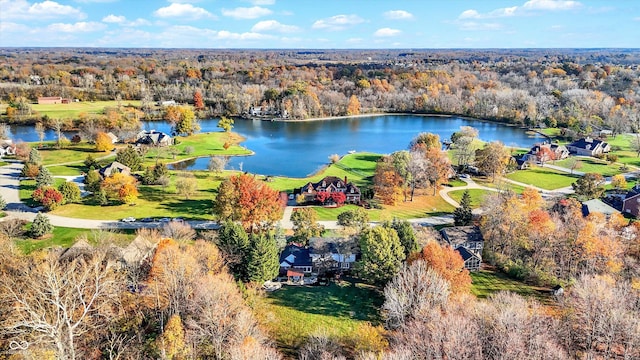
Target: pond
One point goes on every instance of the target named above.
(297, 149)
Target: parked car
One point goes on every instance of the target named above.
(164, 220)
(147, 220)
(129, 219)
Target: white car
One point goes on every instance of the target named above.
(129, 219)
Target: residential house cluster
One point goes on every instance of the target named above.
(267, 112)
(322, 254)
(329, 185)
(542, 153)
(467, 241)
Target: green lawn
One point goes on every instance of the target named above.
(487, 282)
(550, 131)
(456, 182)
(544, 178)
(592, 165)
(74, 109)
(499, 184)
(73, 153)
(64, 237)
(293, 313)
(477, 196)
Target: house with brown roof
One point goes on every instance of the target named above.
(114, 167)
(542, 153)
(329, 185)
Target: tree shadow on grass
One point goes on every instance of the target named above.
(347, 299)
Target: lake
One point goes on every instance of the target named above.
(297, 149)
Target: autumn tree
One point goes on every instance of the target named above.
(186, 185)
(103, 142)
(188, 124)
(589, 186)
(198, 102)
(47, 196)
(40, 130)
(492, 159)
(437, 168)
(462, 215)
(226, 123)
(128, 193)
(263, 259)
(463, 144)
(447, 263)
(305, 224)
(386, 181)
(414, 291)
(574, 163)
(353, 108)
(217, 163)
(243, 198)
(382, 254)
(119, 186)
(619, 182)
(425, 141)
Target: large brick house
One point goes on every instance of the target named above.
(331, 184)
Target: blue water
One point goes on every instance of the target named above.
(297, 149)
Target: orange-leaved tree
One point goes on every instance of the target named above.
(243, 198)
(447, 263)
(103, 142)
(114, 184)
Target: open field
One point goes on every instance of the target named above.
(74, 109)
(592, 165)
(293, 313)
(544, 178)
(65, 237)
(499, 184)
(477, 196)
(73, 153)
(488, 281)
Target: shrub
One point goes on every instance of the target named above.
(76, 139)
(188, 150)
(70, 192)
(48, 197)
(40, 226)
(12, 228)
(30, 171)
(334, 158)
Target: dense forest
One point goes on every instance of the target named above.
(576, 89)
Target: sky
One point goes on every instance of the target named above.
(321, 24)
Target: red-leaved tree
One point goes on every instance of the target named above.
(322, 196)
(338, 197)
(48, 196)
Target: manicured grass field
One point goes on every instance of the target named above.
(487, 282)
(544, 178)
(592, 165)
(74, 109)
(550, 131)
(65, 237)
(75, 153)
(477, 196)
(499, 184)
(293, 313)
(456, 183)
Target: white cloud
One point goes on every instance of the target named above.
(114, 19)
(246, 13)
(398, 15)
(528, 8)
(273, 25)
(21, 9)
(182, 10)
(386, 32)
(338, 22)
(476, 26)
(227, 35)
(77, 27)
(551, 5)
(636, 18)
(8, 27)
(95, 1)
(138, 22)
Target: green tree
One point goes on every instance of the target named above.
(406, 235)
(40, 226)
(590, 186)
(92, 181)
(225, 123)
(3, 203)
(357, 218)
(70, 192)
(492, 159)
(462, 215)
(44, 178)
(233, 241)
(263, 262)
(130, 157)
(382, 254)
(34, 157)
(305, 224)
(90, 162)
(160, 170)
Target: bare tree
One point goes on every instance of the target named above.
(217, 163)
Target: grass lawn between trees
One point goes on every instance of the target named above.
(65, 237)
(544, 178)
(477, 195)
(73, 110)
(592, 165)
(293, 313)
(488, 281)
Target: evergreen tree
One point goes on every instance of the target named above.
(90, 162)
(34, 157)
(101, 197)
(382, 254)
(44, 178)
(407, 236)
(160, 170)
(462, 216)
(40, 226)
(263, 258)
(233, 241)
(92, 181)
(148, 178)
(130, 157)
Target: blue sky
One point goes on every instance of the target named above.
(336, 24)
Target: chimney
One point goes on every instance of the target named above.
(345, 180)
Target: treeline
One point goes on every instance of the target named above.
(579, 90)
